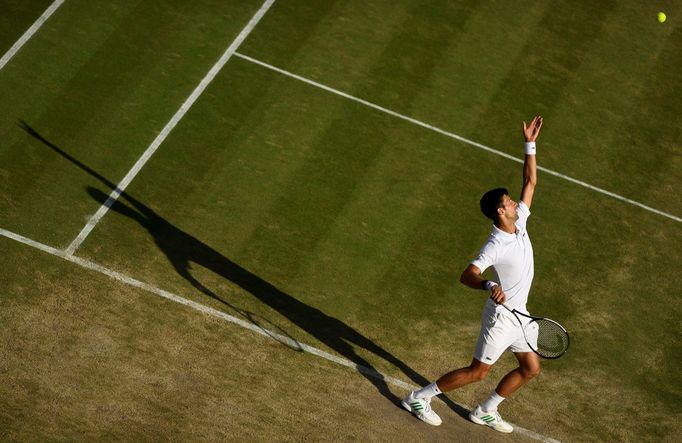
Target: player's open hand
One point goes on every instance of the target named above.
(497, 295)
(532, 131)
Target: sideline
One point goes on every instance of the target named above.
(29, 32)
(168, 128)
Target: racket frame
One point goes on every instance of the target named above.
(534, 318)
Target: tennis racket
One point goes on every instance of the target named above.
(545, 337)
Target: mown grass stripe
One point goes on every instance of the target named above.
(455, 136)
(29, 33)
(179, 114)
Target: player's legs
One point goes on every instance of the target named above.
(419, 402)
(493, 340)
(529, 367)
(476, 371)
(486, 413)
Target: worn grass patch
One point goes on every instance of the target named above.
(86, 357)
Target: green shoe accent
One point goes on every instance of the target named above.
(416, 406)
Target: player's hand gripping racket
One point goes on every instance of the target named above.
(545, 337)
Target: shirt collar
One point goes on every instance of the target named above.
(500, 233)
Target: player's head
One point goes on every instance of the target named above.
(497, 203)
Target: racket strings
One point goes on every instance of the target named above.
(552, 339)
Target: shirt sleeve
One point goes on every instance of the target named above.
(486, 257)
(523, 212)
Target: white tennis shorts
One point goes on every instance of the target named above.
(499, 331)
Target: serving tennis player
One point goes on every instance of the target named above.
(510, 254)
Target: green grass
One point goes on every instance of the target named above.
(17, 17)
(107, 86)
(344, 227)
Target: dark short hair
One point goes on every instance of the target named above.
(492, 200)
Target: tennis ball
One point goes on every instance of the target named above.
(661, 17)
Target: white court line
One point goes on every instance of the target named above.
(168, 128)
(130, 281)
(29, 33)
(453, 135)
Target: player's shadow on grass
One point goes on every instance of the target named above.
(182, 249)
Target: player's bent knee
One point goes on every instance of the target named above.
(531, 372)
(480, 373)
(478, 370)
(529, 365)
(480, 376)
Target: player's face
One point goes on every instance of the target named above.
(510, 206)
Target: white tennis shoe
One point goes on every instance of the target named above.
(491, 419)
(421, 408)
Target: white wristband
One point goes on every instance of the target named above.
(489, 284)
(530, 148)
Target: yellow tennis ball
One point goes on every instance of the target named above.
(661, 17)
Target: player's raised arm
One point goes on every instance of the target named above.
(530, 133)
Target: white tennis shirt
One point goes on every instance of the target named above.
(511, 256)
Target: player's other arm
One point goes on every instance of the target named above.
(530, 173)
(472, 278)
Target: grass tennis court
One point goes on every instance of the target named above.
(280, 201)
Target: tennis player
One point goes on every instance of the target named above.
(509, 252)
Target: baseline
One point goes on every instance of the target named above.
(453, 135)
(130, 281)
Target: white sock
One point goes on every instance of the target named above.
(427, 391)
(492, 402)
